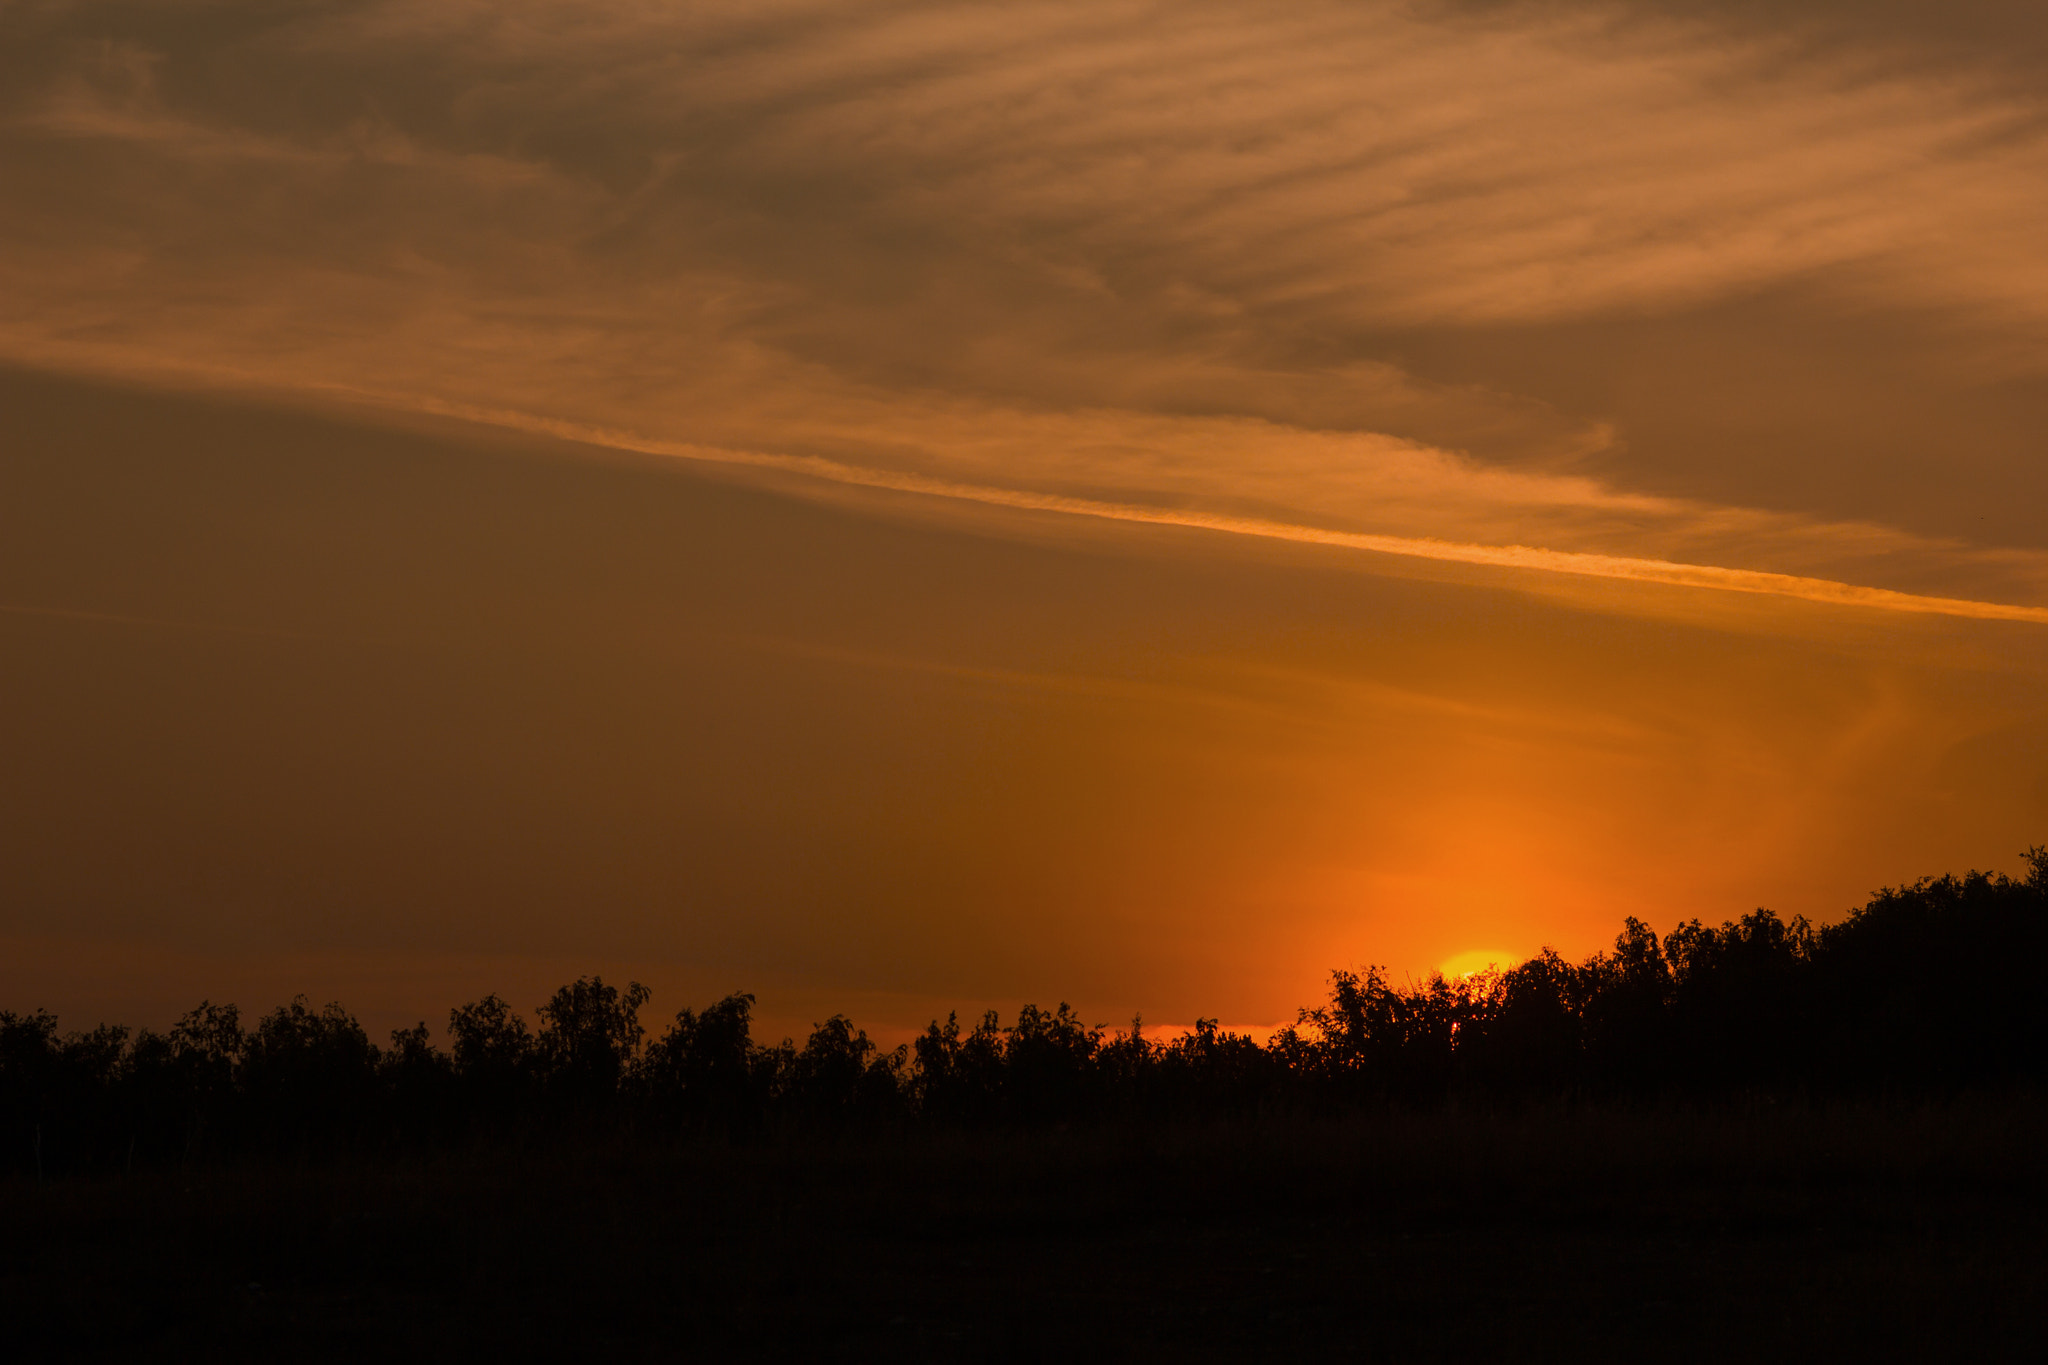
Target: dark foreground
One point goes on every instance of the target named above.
(1782, 1231)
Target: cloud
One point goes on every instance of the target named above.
(1124, 260)
(1633, 569)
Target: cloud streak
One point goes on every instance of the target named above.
(1638, 570)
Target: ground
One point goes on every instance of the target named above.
(1766, 1230)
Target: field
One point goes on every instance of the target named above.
(1776, 1230)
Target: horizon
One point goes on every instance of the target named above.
(1471, 975)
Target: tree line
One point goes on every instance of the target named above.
(1926, 990)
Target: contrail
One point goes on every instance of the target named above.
(1822, 590)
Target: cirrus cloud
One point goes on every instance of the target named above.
(1127, 256)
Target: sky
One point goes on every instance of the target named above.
(908, 506)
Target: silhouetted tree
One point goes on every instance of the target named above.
(419, 1086)
(205, 1049)
(589, 1036)
(1903, 996)
(839, 1076)
(27, 1073)
(308, 1077)
(701, 1070)
(1627, 1017)
(1521, 1032)
(493, 1062)
(961, 1078)
(1050, 1056)
(1362, 1034)
(1208, 1072)
(1735, 1006)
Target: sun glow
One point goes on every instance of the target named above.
(1477, 960)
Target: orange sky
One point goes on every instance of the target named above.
(914, 506)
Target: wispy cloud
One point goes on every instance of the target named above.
(1124, 260)
(1634, 569)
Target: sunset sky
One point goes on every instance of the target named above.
(914, 506)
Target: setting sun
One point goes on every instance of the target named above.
(1477, 961)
